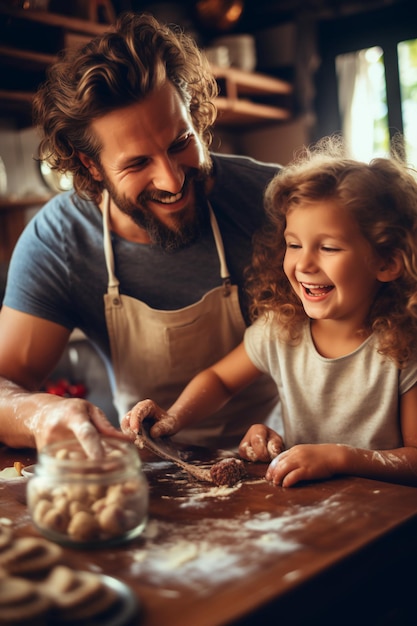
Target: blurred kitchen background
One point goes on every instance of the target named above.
(289, 72)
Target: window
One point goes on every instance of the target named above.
(407, 62)
(362, 99)
(366, 85)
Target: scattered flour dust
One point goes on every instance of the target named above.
(201, 554)
(207, 553)
(213, 492)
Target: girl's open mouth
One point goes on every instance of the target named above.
(316, 290)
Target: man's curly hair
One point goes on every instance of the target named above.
(119, 68)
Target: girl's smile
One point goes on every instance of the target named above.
(316, 291)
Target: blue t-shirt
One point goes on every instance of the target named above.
(58, 271)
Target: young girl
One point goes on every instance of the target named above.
(337, 330)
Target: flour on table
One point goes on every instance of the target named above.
(183, 552)
(204, 553)
(212, 492)
(200, 554)
(291, 576)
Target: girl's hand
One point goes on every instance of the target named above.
(305, 462)
(260, 443)
(165, 424)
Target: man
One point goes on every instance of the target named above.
(156, 226)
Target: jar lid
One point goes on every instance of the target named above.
(68, 456)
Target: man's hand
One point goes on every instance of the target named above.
(54, 418)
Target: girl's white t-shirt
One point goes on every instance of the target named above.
(353, 399)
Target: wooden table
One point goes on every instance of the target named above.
(342, 551)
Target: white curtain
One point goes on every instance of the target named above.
(357, 101)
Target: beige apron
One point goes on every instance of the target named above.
(156, 352)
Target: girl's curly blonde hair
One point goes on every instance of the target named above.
(112, 71)
(382, 198)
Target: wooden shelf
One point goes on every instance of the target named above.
(243, 113)
(35, 60)
(30, 41)
(248, 83)
(16, 97)
(70, 24)
(245, 98)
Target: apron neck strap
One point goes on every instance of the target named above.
(113, 283)
(224, 270)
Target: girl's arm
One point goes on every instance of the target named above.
(318, 461)
(206, 393)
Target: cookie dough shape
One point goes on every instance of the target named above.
(21, 601)
(29, 555)
(77, 595)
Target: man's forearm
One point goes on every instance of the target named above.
(16, 411)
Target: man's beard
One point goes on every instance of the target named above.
(185, 226)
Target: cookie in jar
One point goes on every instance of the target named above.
(79, 501)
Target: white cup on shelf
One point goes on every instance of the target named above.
(241, 49)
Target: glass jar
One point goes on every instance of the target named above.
(78, 501)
